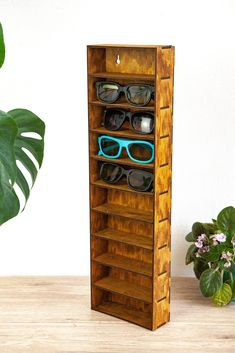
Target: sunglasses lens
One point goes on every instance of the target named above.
(138, 95)
(113, 119)
(140, 180)
(111, 173)
(107, 92)
(141, 151)
(142, 122)
(110, 147)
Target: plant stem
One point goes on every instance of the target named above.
(231, 277)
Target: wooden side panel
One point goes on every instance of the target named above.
(164, 233)
(95, 60)
(162, 170)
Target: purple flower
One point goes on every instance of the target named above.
(203, 249)
(226, 255)
(221, 237)
(233, 240)
(201, 237)
(199, 244)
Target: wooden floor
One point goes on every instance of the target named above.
(52, 315)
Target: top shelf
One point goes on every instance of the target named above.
(137, 46)
(123, 76)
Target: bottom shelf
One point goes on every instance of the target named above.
(118, 310)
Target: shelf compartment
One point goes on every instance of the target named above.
(126, 161)
(125, 263)
(122, 312)
(123, 76)
(123, 211)
(125, 237)
(126, 288)
(123, 133)
(118, 186)
(123, 105)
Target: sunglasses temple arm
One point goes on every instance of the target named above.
(103, 119)
(107, 149)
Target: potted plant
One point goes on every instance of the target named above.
(212, 253)
(17, 149)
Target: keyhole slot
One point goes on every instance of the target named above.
(118, 60)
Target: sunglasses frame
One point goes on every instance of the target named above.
(123, 143)
(127, 114)
(124, 90)
(127, 173)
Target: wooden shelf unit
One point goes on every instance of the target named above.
(130, 231)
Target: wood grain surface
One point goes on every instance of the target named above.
(53, 315)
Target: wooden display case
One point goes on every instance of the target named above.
(130, 231)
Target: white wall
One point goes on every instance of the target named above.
(45, 71)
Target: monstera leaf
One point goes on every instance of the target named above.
(2, 47)
(15, 146)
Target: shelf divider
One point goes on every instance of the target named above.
(123, 133)
(125, 263)
(121, 187)
(125, 237)
(126, 161)
(118, 75)
(124, 105)
(115, 285)
(124, 211)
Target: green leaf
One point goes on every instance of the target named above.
(223, 296)
(9, 203)
(12, 125)
(210, 282)
(214, 253)
(2, 47)
(27, 121)
(197, 229)
(199, 266)
(210, 228)
(190, 237)
(190, 256)
(226, 220)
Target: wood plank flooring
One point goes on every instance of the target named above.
(52, 315)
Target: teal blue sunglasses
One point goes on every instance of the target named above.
(138, 150)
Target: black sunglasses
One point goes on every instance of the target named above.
(137, 179)
(136, 94)
(141, 122)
